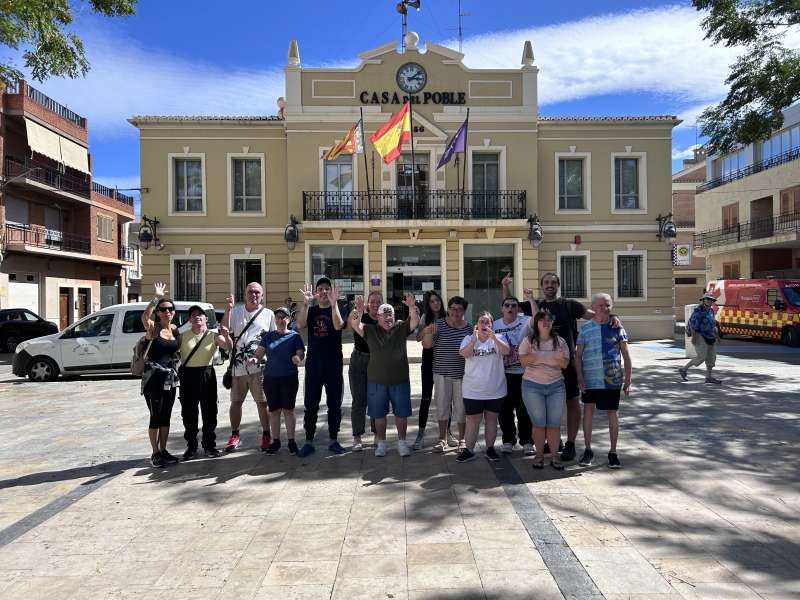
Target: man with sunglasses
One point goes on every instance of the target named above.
(247, 322)
(514, 326)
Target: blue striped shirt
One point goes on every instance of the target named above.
(446, 359)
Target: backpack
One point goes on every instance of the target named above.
(140, 350)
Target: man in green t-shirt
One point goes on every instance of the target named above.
(387, 373)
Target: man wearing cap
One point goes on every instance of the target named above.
(247, 323)
(387, 373)
(324, 363)
(702, 328)
(199, 382)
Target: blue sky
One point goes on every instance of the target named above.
(203, 57)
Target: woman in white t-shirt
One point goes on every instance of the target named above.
(483, 386)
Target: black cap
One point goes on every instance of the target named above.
(194, 307)
(322, 280)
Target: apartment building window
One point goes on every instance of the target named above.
(485, 184)
(626, 183)
(790, 204)
(187, 279)
(246, 269)
(730, 217)
(342, 264)
(247, 189)
(731, 270)
(105, 228)
(338, 183)
(630, 275)
(188, 192)
(570, 184)
(686, 281)
(573, 270)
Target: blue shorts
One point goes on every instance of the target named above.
(380, 396)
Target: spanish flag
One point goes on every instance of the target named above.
(389, 139)
(353, 143)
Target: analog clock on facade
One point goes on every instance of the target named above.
(411, 78)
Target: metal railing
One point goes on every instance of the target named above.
(684, 223)
(12, 87)
(47, 174)
(750, 230)
(112, 193)
(128, 253)
(403, 204)
(41, 237)
(56, 107)
(781, 159)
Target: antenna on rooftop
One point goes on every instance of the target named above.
(460, 28)
(402, 8)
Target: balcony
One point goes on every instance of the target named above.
(47, 102)
(45, 174)
(128, 253)
(402, 205)
(112, 193)
(751, 230)
(781, 159)
(41, 237)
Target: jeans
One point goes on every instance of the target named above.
(544, 402)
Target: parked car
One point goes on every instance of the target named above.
(99, 343)
(20, 324)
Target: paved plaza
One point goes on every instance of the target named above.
(707, 504)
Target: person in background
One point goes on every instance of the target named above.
(199, 382)
(702, 328)
(284, 350)
(544, 356)
(357, 373)
(433, 310)
(484, 385)
(600, 351)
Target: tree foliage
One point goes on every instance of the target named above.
(765, 78)
(40, 29)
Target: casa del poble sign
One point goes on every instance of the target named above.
(411, 79)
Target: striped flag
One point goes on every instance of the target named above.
(389, 139)
(351, 144)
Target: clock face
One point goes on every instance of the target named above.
(411, 78)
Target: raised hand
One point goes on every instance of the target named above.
(308, 294)
(527, 294)
(507, 280)
(230, 301)
(431, 329)
(160, 288)
(335, 293)
(359, 304)
(410, 301)
(476, 331)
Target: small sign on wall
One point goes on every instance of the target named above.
(682, 255)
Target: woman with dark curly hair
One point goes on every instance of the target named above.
(432, 309)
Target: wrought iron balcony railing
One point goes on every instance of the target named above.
(403, 204)
(41, 237)
(128, 253)
(751, 230)
(788, 156)
(112, 193)
(56, 107)
(46, 174)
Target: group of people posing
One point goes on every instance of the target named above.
(521, 371)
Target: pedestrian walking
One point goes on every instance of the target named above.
(324, 362)
(433, 310)
(387, 372)
(247, 323)
(160, 376)
(702, 329)
(484, 385)
(444, 336)
(198, 389)
(544, 355)
(284, 350)
(357, 372)
(601, 349)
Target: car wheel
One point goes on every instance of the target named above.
(791, 337)
(9, 343)
(42, 369)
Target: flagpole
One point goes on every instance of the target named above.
(466, 146)
(366, 169)
(413, 162)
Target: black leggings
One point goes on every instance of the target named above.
(159, 401)
(427, 386)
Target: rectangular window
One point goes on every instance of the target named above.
(485, 184)
(570, 184)
(776, 145)
(573, 273)
(786, 140)
(188, 280)
(246, 184)
(105, 228)
(730, 270)
(338, 182)
(188, 185)
(790, 202)
(245, 272)
(795, 138)
(686, 281)
(730, 217)
(766, 150)
(485, 265)
(343, 265)
(626, 183)
(630, 276)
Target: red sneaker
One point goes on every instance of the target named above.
(266, 440)
(233, 443)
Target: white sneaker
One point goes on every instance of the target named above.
(528, 450)
(357, 445)
(419, 443)
(403, 448)
(451, 440)
(380, 449)
(507, 448)
(440, 447)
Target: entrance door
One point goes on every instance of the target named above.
(83, 302)
(63, 308)
(412, 202)
(109, 291)
(484, 267)
(414, 270)
(246, 271)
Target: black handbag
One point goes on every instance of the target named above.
(227, 378)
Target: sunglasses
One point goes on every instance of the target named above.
(510, 305)
(164, 309)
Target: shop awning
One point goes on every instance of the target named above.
(43, 141)
(74, 155)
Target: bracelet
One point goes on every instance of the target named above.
(155, 300)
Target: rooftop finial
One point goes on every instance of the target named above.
(294, 54)
(411, 40)
(527, 54)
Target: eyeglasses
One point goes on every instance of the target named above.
(281, 316)
(510, 305)
(166, 309)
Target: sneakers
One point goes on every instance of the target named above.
(684, 374)
(507, 448)
(569, 452)
(266, 441)
(465, 455)
(462, 444)
(712, 379)
(380, 449)
(586, 459)
(528, 450)
(292, 445)
(274, 447)
(156, 461)
(451, 440)
(212, 453)
(233, 443)
(403, 448)
(492, 455)
(168, 458)
(190, 454)
(419, 443)
(307, 450)
(357, 445)
(336, 447)
(613, 461)
(440, 447)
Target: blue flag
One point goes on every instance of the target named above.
(457, 143)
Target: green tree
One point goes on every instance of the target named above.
(764, 79)
(40, 29)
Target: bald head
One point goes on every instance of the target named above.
(253, 295)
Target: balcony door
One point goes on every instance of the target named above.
(412, 201)
(339, 186)
(485, 202)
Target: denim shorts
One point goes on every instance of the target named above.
(379, 397)
(544, 402)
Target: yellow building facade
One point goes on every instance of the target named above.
(225, 191)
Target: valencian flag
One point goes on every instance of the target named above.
(351, 144)
(389, 139)
(458, 143)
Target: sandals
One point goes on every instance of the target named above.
(538, 462)
(556, 464)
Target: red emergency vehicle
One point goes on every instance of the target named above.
(764, 308)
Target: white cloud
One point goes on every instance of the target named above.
(687, 153)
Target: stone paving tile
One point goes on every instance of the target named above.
(380, 543)
(621, 570)
(433, 577)
(507, 559)
(448, 594)
(374, 588)
(521, 584)
(297, 574)
(294, 592)
(439, 554)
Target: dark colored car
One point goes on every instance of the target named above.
(20, 324)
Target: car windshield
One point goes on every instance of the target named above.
(792, 295)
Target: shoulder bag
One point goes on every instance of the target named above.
(191, 354)
(227, 378)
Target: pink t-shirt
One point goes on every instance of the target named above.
(547, 368)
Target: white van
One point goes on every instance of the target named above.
(99, 343)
